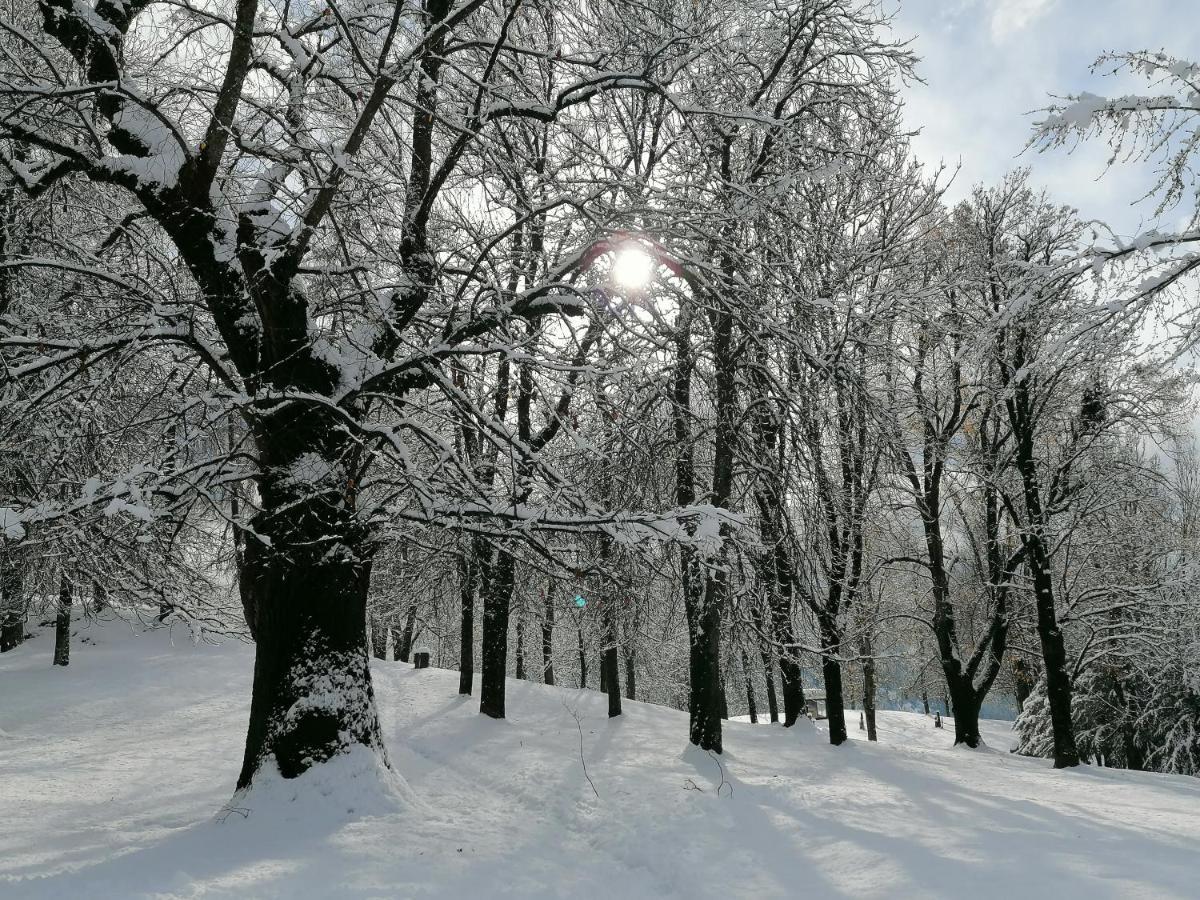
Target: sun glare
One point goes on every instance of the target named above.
(633, 268)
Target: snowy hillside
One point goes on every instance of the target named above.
(114, 770)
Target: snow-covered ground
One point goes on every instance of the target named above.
(113, 772)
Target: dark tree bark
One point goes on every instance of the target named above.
(311, 625)
(12, 603)
(62, 623)
(772, 698)
(1037, 560)
(831, 669)
(610, 659)
(582, 660)
(548, 640)
(750, 700)
(630, 675)
(466, 641)
(404, 648)
(520, 649)
(703, 616)
(497, 592)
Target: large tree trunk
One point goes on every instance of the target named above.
(497, 594)
(312, 696)
(466, 639)
(62, 623)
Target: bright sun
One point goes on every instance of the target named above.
(633, 267)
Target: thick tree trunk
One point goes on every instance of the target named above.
(497, 596)
(831, 668)
(750, 699)
(548, 640)
(62, 624)
(312, 696)
(466, 639)
(966, 718)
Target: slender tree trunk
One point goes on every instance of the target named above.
(548, 640)
(466, 642)
(610, 659)
(772, 698)
(1054, 655)
(749, 675)
(925, 698)
(1037, 560)
(379, 636)
(582, 660)
(497, 596)
(869, 688)
(831, 668)
(520, 650)
(630, 675)
(1023, 681)
(404, 650)
(62, 623)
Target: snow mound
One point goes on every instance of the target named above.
(352, 785)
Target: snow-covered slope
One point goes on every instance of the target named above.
(111, 772)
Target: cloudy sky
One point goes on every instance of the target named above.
(988, 64)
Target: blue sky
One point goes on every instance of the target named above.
(987, 64)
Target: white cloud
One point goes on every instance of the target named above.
(1011, 16)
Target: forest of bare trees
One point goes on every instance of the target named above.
(620, 345)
